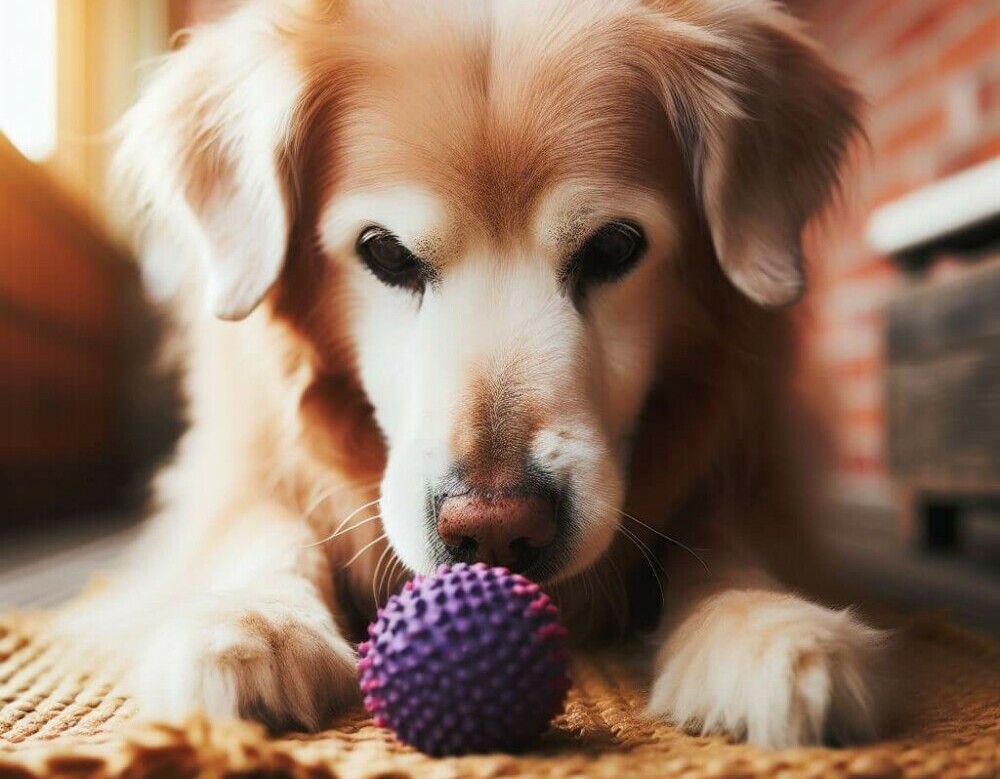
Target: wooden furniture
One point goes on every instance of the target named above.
(943, 353)
(943, 390)
(62, 282)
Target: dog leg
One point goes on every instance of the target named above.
(236, 623)
(270, 653)
(769, 667)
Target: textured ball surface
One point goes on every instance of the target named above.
(472, 659)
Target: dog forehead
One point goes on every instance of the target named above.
(492, 107)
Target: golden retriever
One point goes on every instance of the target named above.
(486, 280)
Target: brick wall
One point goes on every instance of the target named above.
(930, 70)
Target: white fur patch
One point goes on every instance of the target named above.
(270, 651)
(772, 668)
(198, 159)
(493, 313)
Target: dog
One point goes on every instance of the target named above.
(487, 280)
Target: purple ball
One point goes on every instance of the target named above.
(470, 660)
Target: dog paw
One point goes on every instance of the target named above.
(770, 668)
(283, 665)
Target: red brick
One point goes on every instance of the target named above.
(865, 417)
(878, 12)
(912, 52)
(976, 45)
(924, 129)
(981, 150)
(989, 93)
(861, 366)
(875, 267)
(921, 28)
(894, 190)
(860, 465)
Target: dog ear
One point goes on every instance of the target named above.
(765, 123)
(199, 163)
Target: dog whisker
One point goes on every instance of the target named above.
(398, 569)
(354, 513)
(613, 604)
(325, 496)
(375, 574)
(343, 531)
(648, 556)
(385, 580)
(670, 539)
(622, 619)
(644, 546)
(384, 585)
(364, 549)
(664, 536)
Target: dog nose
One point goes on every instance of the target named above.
(508, 530)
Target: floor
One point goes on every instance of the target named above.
(878, 564)
(46, 565)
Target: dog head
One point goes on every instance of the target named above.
(490, 209)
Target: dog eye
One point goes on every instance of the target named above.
(609, 253)
(388, 259)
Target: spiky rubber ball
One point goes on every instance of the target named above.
(470, 660)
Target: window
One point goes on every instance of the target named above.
(28, 75)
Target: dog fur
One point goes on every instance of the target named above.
(492, 137)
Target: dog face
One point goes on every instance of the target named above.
(506, 195)
(506, 252)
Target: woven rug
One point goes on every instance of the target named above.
(60, 716)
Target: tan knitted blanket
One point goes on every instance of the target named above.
(60, 716)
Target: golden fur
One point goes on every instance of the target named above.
(723, 110)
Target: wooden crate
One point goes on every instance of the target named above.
(943, 399)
